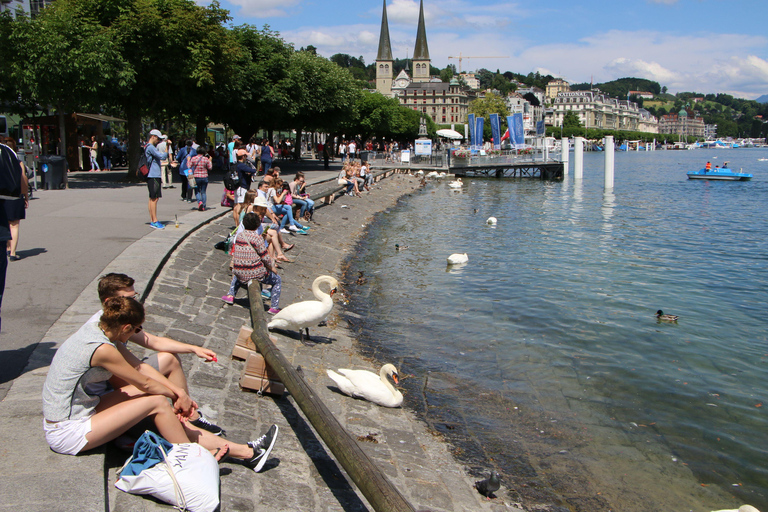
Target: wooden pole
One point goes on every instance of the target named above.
(377, 489)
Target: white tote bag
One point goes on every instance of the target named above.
(188, 479)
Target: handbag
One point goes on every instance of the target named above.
(191, 181)
(185, 475)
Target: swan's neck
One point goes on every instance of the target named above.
(383, 376)
(320, 294)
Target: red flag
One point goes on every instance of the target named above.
(505, 136)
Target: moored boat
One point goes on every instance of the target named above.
(719, 173)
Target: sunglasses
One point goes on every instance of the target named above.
(138, 329)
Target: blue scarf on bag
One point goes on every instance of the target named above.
(146, 453)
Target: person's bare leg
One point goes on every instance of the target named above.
(123, 408)
(14, 241)
(212, 443)
(153, 210)
(236, 212)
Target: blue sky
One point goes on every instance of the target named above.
(706, 46)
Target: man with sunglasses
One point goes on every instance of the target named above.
(165, 364)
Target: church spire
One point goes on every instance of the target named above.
(385, 49)
(421, 51)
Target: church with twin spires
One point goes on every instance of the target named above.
(443, 102)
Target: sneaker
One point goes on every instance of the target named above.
(157, 225)
(266, 294)
(273, 311)
(261, 449)
(303, 232)
(229, 299)
(293, 228)
(306, 228)
(203, 423)
(284, 231)
(200, 207)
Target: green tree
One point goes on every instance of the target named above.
(491, 104)
(571, 120)
(448, 73)
(379, 116)
(321, 95)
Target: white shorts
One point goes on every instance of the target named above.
(67, 437)
(240, 195)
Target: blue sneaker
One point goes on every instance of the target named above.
(157, 225)
(266, 294)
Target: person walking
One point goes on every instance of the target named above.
(10, 167)
(154, 157)
(183, 157)
(200, 165)
(267, 154)
(93, 152)
(166, 174)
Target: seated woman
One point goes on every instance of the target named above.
(347, 179)
(252, 261)
(300, 197)
(366, 175)
(77, 419)
(277, 196)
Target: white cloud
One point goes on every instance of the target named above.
(264, 8)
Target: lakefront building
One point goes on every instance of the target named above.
(444, 103)
(595, 110)
(683, 124)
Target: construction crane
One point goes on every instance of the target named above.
(462, 57)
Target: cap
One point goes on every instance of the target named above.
(241, 152)
(164, 137)
(235, 137)
(155, 132)
(260, 201)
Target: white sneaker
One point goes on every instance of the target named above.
(284, 231)
(293, 228)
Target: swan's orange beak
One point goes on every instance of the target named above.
(333, 291)
(394, 378)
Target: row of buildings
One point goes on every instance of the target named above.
(448, 103)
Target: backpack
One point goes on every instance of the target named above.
(142, 170)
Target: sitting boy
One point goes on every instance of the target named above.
(165, 361)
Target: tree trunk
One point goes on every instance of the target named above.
(201, 130)
(297, 149)
(133, 113)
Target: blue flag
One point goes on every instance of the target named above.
(540, 128)
(479, 132)
(496, 131)
(471, 123)
(517, 132)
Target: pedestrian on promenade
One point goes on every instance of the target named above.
(93, 151)
(10, 168)
(200, 165)
(154, 157)
(77, 421)
(166, 360)
(267, 154)
(166, 173)
(183, 158)
(231, 151)
(15, 209)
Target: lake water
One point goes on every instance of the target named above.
(542, 357)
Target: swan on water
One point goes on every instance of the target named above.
(368, 385)
(456, 184)
(491, 220)
(455, 259)
(309, 313)
(432, 174)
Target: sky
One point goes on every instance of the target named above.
(706, 46)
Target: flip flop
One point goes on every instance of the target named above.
(290, 246)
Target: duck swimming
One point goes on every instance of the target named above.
(666, 318)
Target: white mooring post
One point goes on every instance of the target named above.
(578, 157)
(565, 154)
(608, 184)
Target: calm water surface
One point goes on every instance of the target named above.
(553, 319)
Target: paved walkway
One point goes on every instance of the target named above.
(184, 303)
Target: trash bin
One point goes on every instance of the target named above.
(52, 169)
(364, 156)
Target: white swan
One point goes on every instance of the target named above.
(456, 184)
(491, 220)
(456, 259)
(368, 385)
(302, 315)
(743, 508)
(432, 174)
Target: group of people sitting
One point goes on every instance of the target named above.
(355, 176)
(97, 390)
